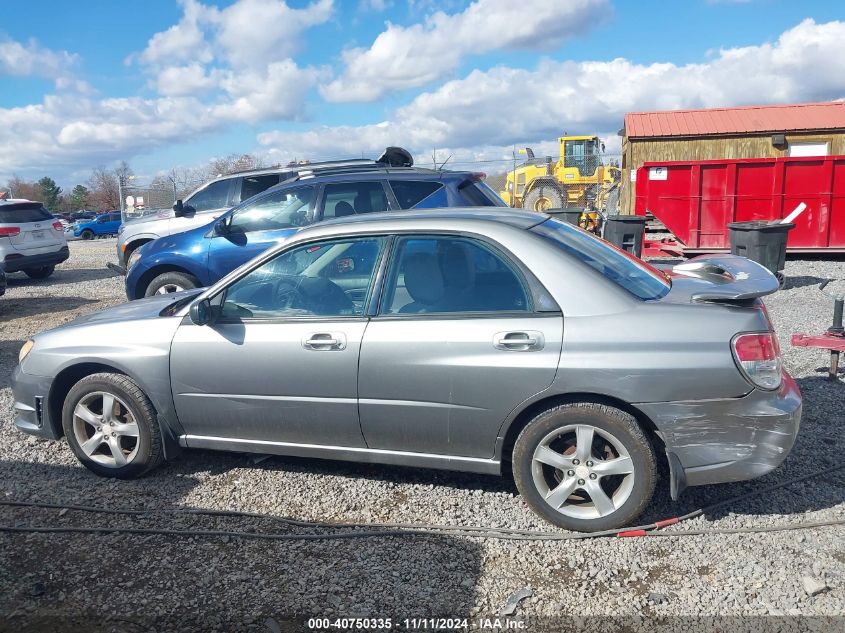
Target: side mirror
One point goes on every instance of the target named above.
(178, 209)
(222, 226)
(201, 312)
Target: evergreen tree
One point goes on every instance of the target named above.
(79, 197)
(50, 193)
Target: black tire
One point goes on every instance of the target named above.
(87, 234)
(149, 453)
(42, 272)
(543, 197)
(622, 427)
(182, 281)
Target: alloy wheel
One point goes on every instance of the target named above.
(106, 429)
(582, 471)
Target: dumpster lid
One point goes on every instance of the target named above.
(761, 225)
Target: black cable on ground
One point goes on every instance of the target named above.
(369, 530)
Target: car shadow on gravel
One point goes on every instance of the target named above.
(801, 281)
(22, 307)
(173, 582)
(61, 276)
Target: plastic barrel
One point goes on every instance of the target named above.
(626, 232)
(569, 215)
(761, 241)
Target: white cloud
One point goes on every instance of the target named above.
(183, 80)
(31, 59)
(184, 41)
(243, 52)
(255, 32)
(405, 57)
(804, 64)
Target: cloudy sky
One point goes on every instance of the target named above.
(166, 83)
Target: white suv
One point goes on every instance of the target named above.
(31, 239)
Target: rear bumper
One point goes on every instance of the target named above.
(30, 404)
(36, 261)
(720, 441)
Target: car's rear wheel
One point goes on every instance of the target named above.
(585, 467)
(41, 272)
(167, 283)
(87, 234)
(111, 426)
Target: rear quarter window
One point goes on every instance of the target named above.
(412, 194)
(634, 275)
(478, 194)
(20, 213)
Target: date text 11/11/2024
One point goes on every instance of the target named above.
(416, 624)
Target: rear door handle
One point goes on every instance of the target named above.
(324, 341)
(519, 341)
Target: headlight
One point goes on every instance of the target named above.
(120, 229)
(133, 258)
(26, 349)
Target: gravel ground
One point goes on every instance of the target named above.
(141, 582)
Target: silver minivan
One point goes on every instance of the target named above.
(31, 239)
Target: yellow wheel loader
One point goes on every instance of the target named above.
(579, 178)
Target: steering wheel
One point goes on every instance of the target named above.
(299, 218)
(288, 296)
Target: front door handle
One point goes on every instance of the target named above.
(324, 341)
(519, 341)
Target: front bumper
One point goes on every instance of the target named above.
(36, 261)
(30, 405)
(720, 441)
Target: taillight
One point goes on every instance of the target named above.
(57, 225)
(9, 231)
(759, 357)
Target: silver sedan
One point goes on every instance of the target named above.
(491, 341)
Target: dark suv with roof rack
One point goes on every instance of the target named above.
(201, 256)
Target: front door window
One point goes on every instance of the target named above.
(324, 279)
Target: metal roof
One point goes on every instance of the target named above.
(744, 120)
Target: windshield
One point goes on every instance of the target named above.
(631, 273)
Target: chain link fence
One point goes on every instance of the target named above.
(588, 180)
(139, 199)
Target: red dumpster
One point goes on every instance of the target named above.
(695, 200)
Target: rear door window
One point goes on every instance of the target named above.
(353, 198)
(253, 185)
(23, 212)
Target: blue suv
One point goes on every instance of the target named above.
(105, 224)
(201, 256)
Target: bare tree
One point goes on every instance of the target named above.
(232, 163)
(104, 189)
(21, 188)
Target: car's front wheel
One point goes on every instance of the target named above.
(171, 282)
(87, 234)
(41, 272)
(110, 424)
(585, 467)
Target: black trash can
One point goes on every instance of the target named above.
(570, 215)
(626, 232)
(761, 241)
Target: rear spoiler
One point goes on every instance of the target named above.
(729, 277)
